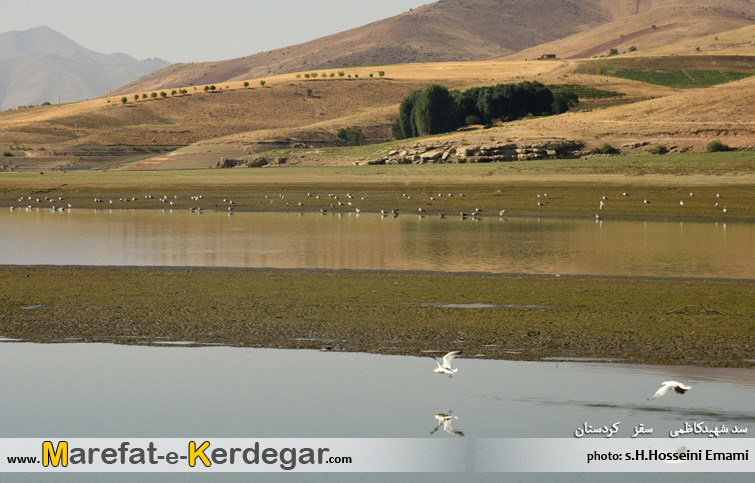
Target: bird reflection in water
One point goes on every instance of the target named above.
(444, 420)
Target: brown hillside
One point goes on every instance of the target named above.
(661, 27)
(280, 110)
(461, 30)
(448, 30)
(688, 118)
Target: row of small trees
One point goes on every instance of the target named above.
(435, 109)
(174, 92)
(340, 73)
(154, 95)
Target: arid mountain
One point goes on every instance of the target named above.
(461, 30)
(448, 30)
(667, 28)
(41, 65)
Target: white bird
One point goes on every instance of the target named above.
(667, 386)
(681, 202)
(444, 419)
(444, 367)
(646, 202)
(502, 213)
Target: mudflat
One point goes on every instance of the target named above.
(706, 322)
(683, 186)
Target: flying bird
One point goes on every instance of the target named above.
(667, 386)
(444, 365)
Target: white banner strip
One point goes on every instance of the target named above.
(231, 455)
(450, 455)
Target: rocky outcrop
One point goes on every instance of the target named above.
(255, 162)
(450, 152)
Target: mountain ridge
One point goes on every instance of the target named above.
(463, 30)
(33, 62)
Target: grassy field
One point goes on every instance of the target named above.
(678, 78)
(574, 187)
(585, 92)
(663, 321)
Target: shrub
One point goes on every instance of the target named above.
(314, 74)
(309, 91)
(307, 76)
(716, 146)
(371, 75)
(298, 76)
(263, 82)
(144, 96)
(612, 52)
(563, 101)
(246, 83)
(332, 74)
(206, 88)
(163, 94)
(350, 136)
(381, 73)
(153, 95)
(658, 149)
(604, 149)
(212, 87)
(7, 153)
(472, 120)
(136, 97)
(559, 148)
(632, 48)
(341, 73)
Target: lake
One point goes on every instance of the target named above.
(104, 390)
(372, 241)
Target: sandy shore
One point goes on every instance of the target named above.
(519, 317)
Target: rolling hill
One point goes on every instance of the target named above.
(463, 30)
(41, 65)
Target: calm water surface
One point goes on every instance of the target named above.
(105, 390)
(102, 390)
(370, 241)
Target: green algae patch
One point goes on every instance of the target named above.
(520, 317)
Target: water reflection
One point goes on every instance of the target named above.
(444, 420)
(369, 241)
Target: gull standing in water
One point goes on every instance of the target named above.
(667, 386)
(444, 365)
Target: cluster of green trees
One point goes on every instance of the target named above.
(350, 136)
(435, 109)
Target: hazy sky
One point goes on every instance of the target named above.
(195, 30)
